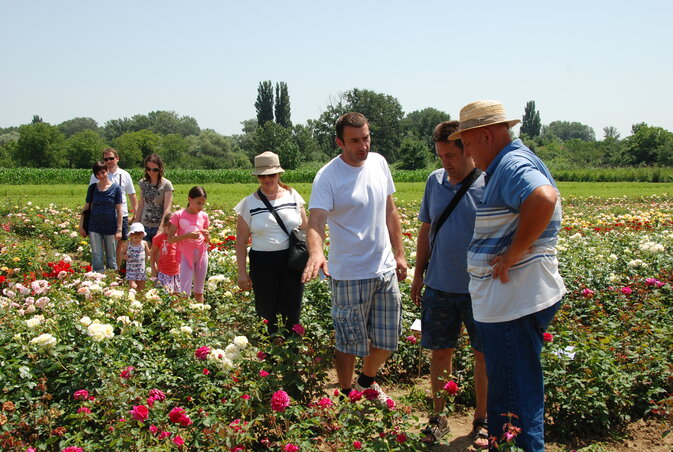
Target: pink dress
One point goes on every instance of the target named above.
(190, 222)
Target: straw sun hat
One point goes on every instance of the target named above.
(267, 163)
(482, 113)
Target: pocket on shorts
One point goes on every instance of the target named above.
(348, 324)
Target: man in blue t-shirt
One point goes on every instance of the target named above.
(441, 255)
(515, 284)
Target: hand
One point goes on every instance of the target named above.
(416, 288)
(118, 235)
(501, 265)
(315, 263)
(193, 235)
(206, 235)
(82, 232)
(401, 268)
(244, 282)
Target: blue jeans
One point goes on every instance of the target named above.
(103, 244)
(150, 232)
(515, 382)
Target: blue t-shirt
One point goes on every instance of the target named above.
(447, 269)
(103, 218)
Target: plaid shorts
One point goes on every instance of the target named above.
(367, 309)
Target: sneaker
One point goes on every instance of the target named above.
(436, 429)
(381, 397)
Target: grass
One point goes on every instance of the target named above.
(226, 196)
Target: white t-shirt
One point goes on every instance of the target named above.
(355, 199)
(267, 235)
(123, 179)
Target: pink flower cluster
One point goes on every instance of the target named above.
(202, 353)
(179, 416)
(587, 293)
(81, 394)
(412, 339)
(280, 401)
(654, 282)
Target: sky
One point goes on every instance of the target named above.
(601, 63)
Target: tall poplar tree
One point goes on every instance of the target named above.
(282, 108)
(264, 103)
(531, 124)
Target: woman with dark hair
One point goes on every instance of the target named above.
(156, 196)
(277, 287)
(104, 199)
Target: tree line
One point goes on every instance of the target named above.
(404, 139)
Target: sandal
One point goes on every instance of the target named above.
(480, 431)
(436, 429)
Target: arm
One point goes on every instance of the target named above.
(138, 213)
(125, 247)
(154, 259)
(534, 216)
(395, 234)
(147, 251)
(82, 232)
(118, 234)
(134, 203)
(242, 237)
(168, 203)
(315, 238)
(304, 220)
(173, 238)
(422, 259)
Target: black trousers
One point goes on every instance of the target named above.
(277, 288)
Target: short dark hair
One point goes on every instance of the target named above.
(108, 150)
(197, 192)
(98, 166)
(351, 119)
(444, 129)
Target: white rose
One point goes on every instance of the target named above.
(44, 340)
(231, 351)
(85, 321)
(35, 321)
(100, 331)
(136, 306)
(241, 342)
(124, 319)
(186, 329)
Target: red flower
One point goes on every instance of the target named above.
(84, 410)
(548, 337)
(401, 438)
(178, 416)
(370, 394)
(205, 371)
(139, 413)
(354, 395)
(153, 429)
(81, 394)
(390, 403)
(357, 445)
(245, 397)
(300, 330)
(280, 401)
(626, 290)
(164, 434)
(178, 440)
(411, 339)
(202, 353)
(127, 373)
(289, 447)
(451, 387)
(261, 355)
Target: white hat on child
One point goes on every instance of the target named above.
(137, 227)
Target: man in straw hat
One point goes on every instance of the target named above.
(353, 194)
(514, 281)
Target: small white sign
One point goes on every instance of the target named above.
(416, 326)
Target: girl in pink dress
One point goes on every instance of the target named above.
(189, 229)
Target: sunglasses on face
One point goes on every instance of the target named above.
(156, 170)
(107, 159)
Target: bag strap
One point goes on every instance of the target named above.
(466, 184)
(272, 210)
(90, 193)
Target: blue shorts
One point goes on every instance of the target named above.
(441, 316)
(367, 309)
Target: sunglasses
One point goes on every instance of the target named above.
(107, 159)
(156, 170)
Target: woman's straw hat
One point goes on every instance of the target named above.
(267, 163)
(482, 113)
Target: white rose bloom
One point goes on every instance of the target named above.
(35, 321)
(99, 331)
(85, 321)
(613, 257)
(186, 329)
(115, 294)
(231, 351)
(44, 340)
(577, 236)
(199, 306)
(136, 306)
(124, 319)
(241, 342)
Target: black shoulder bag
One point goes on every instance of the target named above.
(86, 214)
(466, 184)
(298, 251)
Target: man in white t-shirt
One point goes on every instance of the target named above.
(123, 179)
(353, 195)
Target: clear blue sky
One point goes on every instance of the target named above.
(602, 63)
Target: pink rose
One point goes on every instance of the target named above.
(164, 434)
(84, 410)
(153, 429)
(178, 416)
(178, 440)
(587, 293)
(390, 403)
(127, 373)
(245, 397)
(357, 445)
(289, 447)
(81, 394)
(411, 339)
(626, 290)
(354, 395)
(202, 353)
(139, 413)
(264, 373)
(280, 401)
(451, 387)
(325, 402)
(548, 337)
(72, 449)
(300, 330)
(370, 394)
(157, 394)
(206, 371)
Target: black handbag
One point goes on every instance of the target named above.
(298, 251)
(86, 214)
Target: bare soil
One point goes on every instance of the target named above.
(640, 436)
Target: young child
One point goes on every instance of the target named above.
(163, 258)
(135, 252)
(189, 229)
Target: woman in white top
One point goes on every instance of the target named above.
(277, 287)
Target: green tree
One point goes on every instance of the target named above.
(530, 124)
(323, 128)
(117, 127)
(650, 145)
(264, 103)
(308, 146)
(610, 133)
(414, 152)
(173, 149)
(566, 130)
(36, 119)
(422, 123)
(211, 150)
(133, 147)
(84, 148)
(282, 107)
(167, 122)
(276, 138)
(74, 125)
(40, 145)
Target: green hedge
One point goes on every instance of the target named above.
(46, 176)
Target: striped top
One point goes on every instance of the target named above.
(535, 282)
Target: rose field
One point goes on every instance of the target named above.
(88, 364)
